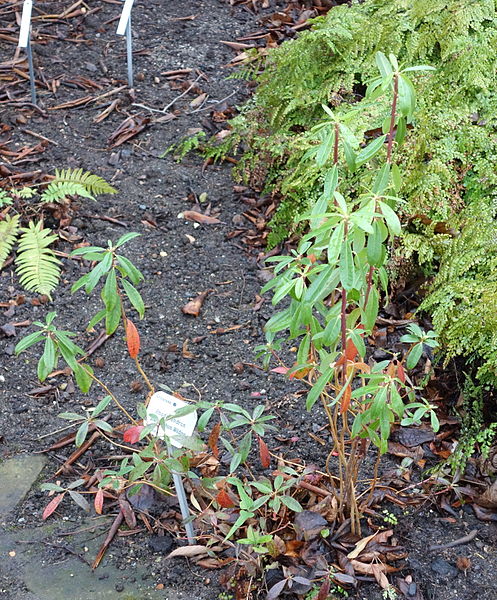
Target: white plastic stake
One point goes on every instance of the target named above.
(25, 24)
(164, 405)
(25, 42)
(124, 28)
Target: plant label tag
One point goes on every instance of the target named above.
(126, 13)
(164, 405)
(25, 24)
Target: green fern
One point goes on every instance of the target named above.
(59, 190)
(93, 184)
(5, 199)
(37, 266)
(8, 234)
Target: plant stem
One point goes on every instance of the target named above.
(392, 117)
(104, 387)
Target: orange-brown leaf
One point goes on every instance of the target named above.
(99, 501)
(213, 439)
(344, 406)
(192, 215)
(264, 454)
(132, 339)
(52, 505)
(224, 500)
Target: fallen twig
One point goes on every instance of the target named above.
(459, 542)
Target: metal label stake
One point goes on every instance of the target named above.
(183, 503)
(161, 406)
(25, 42)
(124, 28)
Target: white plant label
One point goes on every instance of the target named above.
(123, 21)
(164, 405)
(25, 24)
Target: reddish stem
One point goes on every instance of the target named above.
(335, 147)
(392, 117)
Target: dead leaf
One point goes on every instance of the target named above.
(193, 215)
(360, 546)
(189, 551)
(489, 497)
(194, 306)
(130, 127)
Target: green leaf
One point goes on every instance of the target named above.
(43, 371)
(370, 313)
(391, 218)
(134, 297)
(375, 249)
(81, 434)
(244, 516)
(396, 178)
(28, 341)
(86, 250)
(110, 295)
(80, 500)
(347, 267)
(49, 354)
(401, 131)
(69, 416)
(204, 419)
(113, 318)
(83, 378)
(291, 503)
(126, 238)
(325, 148)
(318, 387)
(350, 155)
(96, 319)
(414, 355)
(407, 97)
(419, 68)
(129, 269)
(384, 65)
(382, 180)
(370, 150)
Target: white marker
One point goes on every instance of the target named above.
(25, 42)
(124, 28)
(162, 406)
(125, 16)
(25, 24)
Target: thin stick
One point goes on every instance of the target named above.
(459, 542)
(168, 106)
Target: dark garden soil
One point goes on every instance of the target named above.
(209, 356)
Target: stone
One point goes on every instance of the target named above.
(18, 475)
(444, 568)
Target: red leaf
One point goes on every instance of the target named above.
(324, 590)
(213, 438)
(132, 434)
(344, 406)
(282, 370)
(132, 339)
(401, 373)
(52, 505)
(224, 500)
(264, 454)
(99, 501)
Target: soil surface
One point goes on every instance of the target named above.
(179, 261)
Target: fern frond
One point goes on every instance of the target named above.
(93, 184)
(5, 199)
(59, 190)
(37, 266)
(8, 233)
